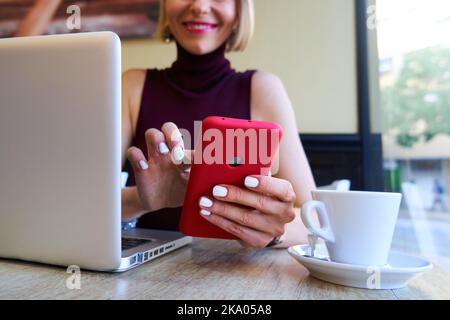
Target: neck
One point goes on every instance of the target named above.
(199, 73)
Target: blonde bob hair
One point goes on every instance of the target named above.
(239, 38)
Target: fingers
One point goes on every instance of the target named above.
(254, 238)
(137, 159)
(261, 202)
(244, 216)
(279, 188)
(174, 140)
(168, 141)
(156, 145)
(185, 166)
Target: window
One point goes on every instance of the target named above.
(413, 46)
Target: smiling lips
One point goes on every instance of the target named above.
(199, 27)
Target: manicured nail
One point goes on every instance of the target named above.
(204, 212)
(178, 153)
(205, 202)
(219, 191)
(251, 182)
(143, 164)
(163, 148)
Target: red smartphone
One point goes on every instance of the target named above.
(227, 150)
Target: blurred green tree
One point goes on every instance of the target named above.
(417, 106)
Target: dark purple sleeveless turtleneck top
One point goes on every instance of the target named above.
(194, 87)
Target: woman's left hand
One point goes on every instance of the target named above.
(256, 214)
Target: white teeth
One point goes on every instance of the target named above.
(199, 26)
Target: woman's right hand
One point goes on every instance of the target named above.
(161, 178)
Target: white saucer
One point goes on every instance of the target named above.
(400, 269)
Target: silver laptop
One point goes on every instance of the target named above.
(60, 161)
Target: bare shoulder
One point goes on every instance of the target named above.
(133, 74)
(265, 80)
(133, 81)
(269, 97)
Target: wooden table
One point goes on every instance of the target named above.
(206, 269)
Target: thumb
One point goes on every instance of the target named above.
(186, 163)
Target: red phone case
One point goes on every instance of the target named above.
(210, 166)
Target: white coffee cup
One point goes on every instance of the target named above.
(357, 226)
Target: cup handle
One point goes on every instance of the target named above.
(324, 231)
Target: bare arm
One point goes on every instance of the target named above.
(270, 102)
(132, 86)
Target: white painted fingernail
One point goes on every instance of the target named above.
(178, 153)
(205, 202)
(251, 182)
(219, 191)
(163, 148)
(204, 212)
(143, 164)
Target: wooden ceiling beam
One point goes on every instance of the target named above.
(88, 8)
(70, 2)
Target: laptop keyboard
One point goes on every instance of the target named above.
(128, 243)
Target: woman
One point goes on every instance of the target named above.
(201, 83)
